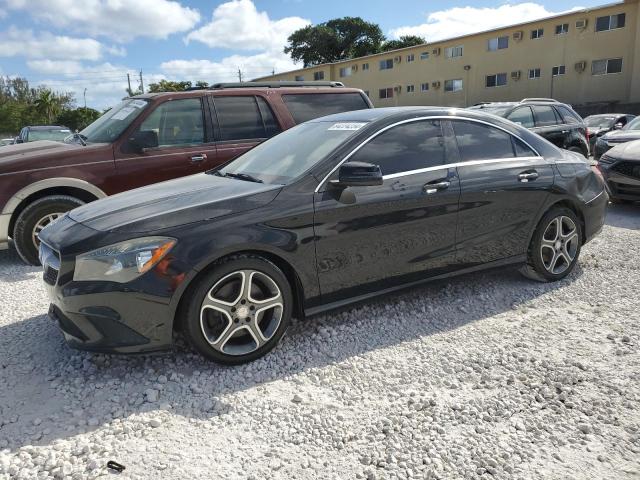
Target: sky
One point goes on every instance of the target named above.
(73, 45)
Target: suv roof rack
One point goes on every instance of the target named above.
(289, 84)
(549, 100)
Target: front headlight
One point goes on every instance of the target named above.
(122, 262)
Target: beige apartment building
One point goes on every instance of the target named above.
(590, 56)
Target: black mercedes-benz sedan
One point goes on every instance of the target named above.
(332, 211)
(620, 168)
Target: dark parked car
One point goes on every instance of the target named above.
(42, 132)
(555, 121)
(333, 211)
(598, 125)
(148, 139)
(630, 132)
(620, 168)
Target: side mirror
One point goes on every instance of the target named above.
(18, 140)
(358, 174)
(618, 126)
(143, 139)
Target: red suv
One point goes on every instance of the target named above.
(148, 139)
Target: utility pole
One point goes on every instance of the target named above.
(141, 83)
(85, 98)
(129, 82)
(273, 71)
(239, 75)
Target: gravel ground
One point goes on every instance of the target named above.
(486, 375)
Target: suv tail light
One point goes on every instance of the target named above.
(588, 134)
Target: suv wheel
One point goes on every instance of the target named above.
(239, 311)
(555, 246)
(34, 218)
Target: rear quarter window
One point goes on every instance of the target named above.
(569, 116)
(307, 106)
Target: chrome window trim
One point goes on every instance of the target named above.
(597, 196)
(448, 165)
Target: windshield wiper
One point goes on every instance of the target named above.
(241, 176)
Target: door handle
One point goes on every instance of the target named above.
(527, 176)
(201, 157)
(430, 188)
(565, 131)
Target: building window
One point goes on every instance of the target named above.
(499, 43)
(559, 70)
(604, 67)
(365, 66)
(411, 57)
(411, 88)
(497, 80)
(318, 75)
(534, 73)
(453, 85)
(345, 72)
(424, 87)
(299, 78)
(386, 64)
(452, 52)
(386, 93)
(610, 22)
(424, 55)
(562, 29)
(537, 33)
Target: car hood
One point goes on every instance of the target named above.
(629, 151)
(619, 136)
(173, 203)
(46, 154)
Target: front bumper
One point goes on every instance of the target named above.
(622, 179)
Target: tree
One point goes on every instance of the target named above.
(78, 118)
(403, 42)
(48, 105)
(168, 86)
(337, 39)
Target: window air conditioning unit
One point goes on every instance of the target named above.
(397, 59)
(436, 51)
(580, 66)
(516, 75)
(397, 89)
(517, 36)
(581, 24)
(435, 84)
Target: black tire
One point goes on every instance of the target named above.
(29, 218)
(194, 326)
(538, 261)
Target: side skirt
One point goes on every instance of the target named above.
(360, 298)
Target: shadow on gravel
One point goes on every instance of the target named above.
(13, 269)
(624, 216)
(52, 392)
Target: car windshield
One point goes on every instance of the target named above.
(109, 126)
(599, 121)
(55, 134)
(633, 125)
(291, 153)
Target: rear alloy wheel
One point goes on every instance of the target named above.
(555, 246)
(36, 217)
(239, 311)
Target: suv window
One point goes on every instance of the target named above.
(307, 106)
(177, 122)
(567, 115)
(545, 115)
(407, 147)
(481, 142)
(523, 116)
(241, 118)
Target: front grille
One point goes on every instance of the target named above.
(630, 169)
(50, 260)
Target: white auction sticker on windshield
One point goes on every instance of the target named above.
(138, 103)
(350, 126)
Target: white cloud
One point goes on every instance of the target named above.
(56, 67)
(239, 25)
(15, 42)
(121, 20)
(459, 21)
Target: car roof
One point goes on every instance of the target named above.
(249, 91)
(47, 127)
(611, 115)
(388, 113)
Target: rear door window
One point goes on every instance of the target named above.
(545, 116)
(477, 141)
(307, 106)
(244, 118)
(522, 116)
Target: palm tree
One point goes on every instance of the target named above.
(48, 104)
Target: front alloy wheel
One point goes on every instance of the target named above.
(239, 311)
